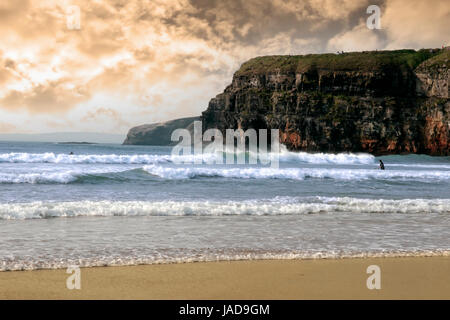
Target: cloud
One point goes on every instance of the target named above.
(359, 37)
(417, 23)
(51, 97)
(7, 67)
(107, 114)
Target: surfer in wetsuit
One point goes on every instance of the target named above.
(381, 165)
(71, 153)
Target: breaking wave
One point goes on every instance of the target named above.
(65, 177)
(284, 156)
(293, 173)
(325, 158)
(51, 157)
(276, 206)
(149, 172)
(39, 178)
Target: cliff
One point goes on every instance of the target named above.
(383, 102)
(158, 134)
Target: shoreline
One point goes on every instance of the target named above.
(401, 278)
(290, 256)
(256, 258)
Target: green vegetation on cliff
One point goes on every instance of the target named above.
(352, 61)
(440, 60)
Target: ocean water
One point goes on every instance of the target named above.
(121, 205)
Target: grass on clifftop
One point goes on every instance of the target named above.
(440, 60)
(352, 61)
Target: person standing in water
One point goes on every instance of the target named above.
(381, 165)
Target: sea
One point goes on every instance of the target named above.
(112, 205)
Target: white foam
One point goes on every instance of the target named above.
(41, 177)
(50, 157)
(284, 155)
(439, 166)
(277, 206)
(104, 158)
(206, 255)
(58, 175)
(292, 173)
(325, 158)
(64, 176)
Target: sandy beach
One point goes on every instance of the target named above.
(401, 278)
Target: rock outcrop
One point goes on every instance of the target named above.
(383, 102)
(158, 134)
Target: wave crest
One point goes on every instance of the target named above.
(284, 156)
(277, 206)
(293, 173)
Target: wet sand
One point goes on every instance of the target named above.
(401, 278)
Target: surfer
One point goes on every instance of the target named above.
(381, 165)
(71, 153)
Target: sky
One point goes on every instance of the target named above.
(109, 65)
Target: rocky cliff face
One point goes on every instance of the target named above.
(386, 102)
